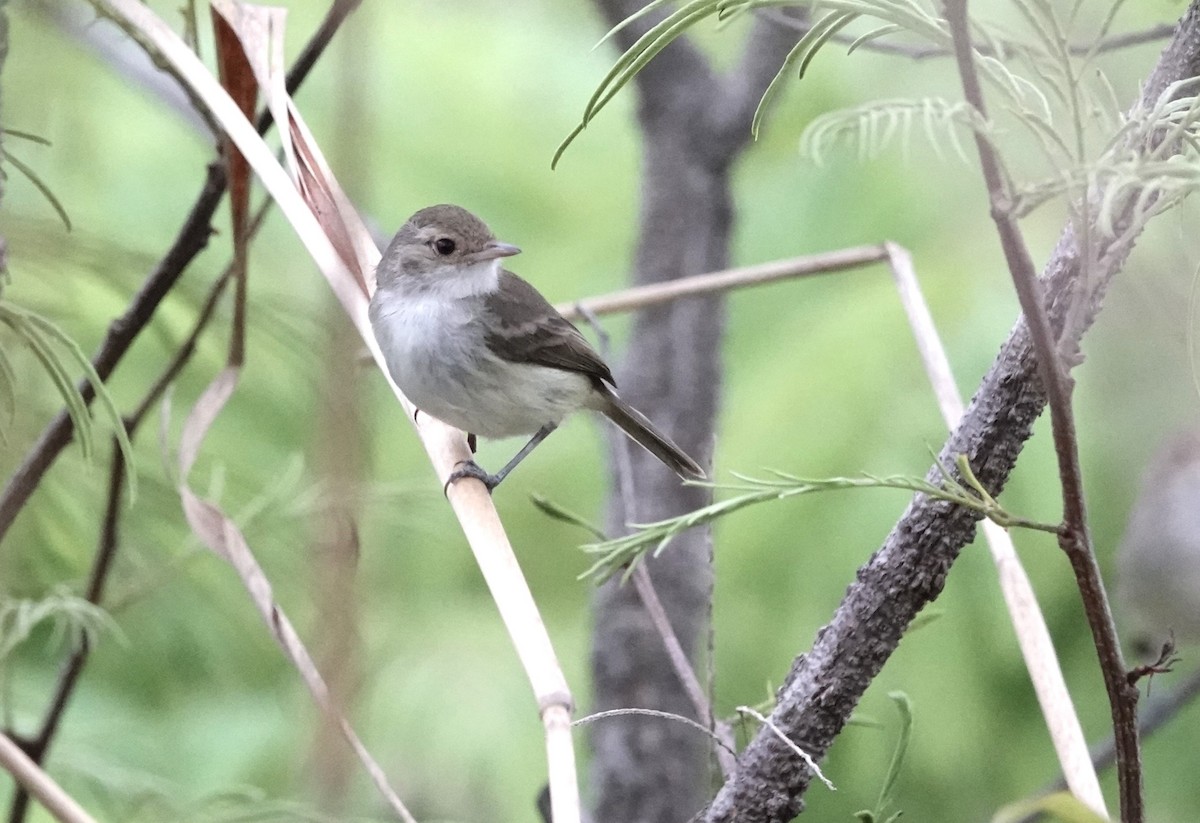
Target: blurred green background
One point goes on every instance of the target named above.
(425, 102)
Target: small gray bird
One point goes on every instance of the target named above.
(1158, 560)
(479, 348)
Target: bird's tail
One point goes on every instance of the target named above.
(643, 432)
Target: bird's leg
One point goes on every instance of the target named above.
(469, 468)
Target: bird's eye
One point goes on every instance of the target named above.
(444, 246)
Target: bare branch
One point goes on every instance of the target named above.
(1157, 713)
(60, 804)
(106, 551)
(1058, 385)
(914, 52)
(719, 730)
(909, 570)
(766, 47)
(1029, 624)
(189, 241)
(654, 294)
(694, 122)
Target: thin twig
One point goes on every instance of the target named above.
(1157, 712)
(721, 732)
(914, 52)
(644, 585)
(678, 718)
(825, 683)
(31, 777)
(68, 677)
(791, 744)
(656, 293)
(1029, 624)
(1074, 539)
(189, 241)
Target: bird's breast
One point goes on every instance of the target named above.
(437, 353)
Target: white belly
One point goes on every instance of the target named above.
(436, 353)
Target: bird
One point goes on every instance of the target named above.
(479, 348)
(1158, 558)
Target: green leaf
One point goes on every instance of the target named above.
(33, 178)
(904, 707)
(651, 538)
(105, 399)
(872, 35)
(41, 337)
(8, 394)
(551, 509)
(72, 618)
(874, 126)
(803, 52)
(18, 321)
(635, 59)
(26, 135)
(642, 12)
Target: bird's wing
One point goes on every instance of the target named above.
(526, 328)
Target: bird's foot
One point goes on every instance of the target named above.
(469, 468)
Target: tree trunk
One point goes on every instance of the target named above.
(694, 124)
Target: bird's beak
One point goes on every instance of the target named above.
(495, 249)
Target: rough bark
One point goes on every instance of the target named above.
(694, 123)
(910, 569)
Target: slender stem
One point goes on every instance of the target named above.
(1157, 713)
(30, 776)
(884, 46)
(726, 753)
(653, 294)
(68, 677)
(1074, 538)
(644, 585)
(190, 241)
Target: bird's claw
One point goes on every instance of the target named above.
(469, 468)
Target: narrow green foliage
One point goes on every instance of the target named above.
(38, 184)
(1024, 97)
(908, 16)
(26, 135)
(904, 707)
(44, 339)
(873, 34)
(30, 335)
(554, 510)
(803, 53)
(71, 618)
(30, 174)
(622, 553)
(8, 393)
(636, 57)
(1105, 28)
(875, 126)
(1061, 80)
(637, 15)
(887, 790)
